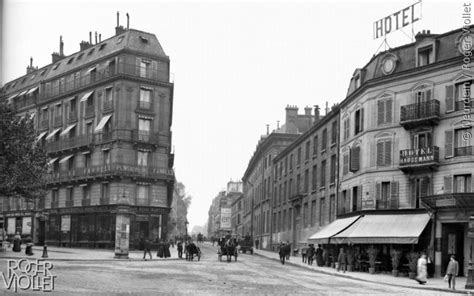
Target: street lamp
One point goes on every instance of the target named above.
(186, 228)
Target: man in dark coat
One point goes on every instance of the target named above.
(180, 249)
(319, 256)
(166, 250)
(146, 249)
(161, 247)
(310, 254)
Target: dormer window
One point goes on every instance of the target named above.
(120, 39)
(56, 66)
(32, 76)
(357, 81)
(70, 61)
(424, 56)
(143, 39)
(80, 56)
(102, 46)
(90, 52)
(42, 73)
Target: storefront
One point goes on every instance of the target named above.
(95, 226)
(19, 222)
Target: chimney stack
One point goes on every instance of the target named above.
(128, 21)
(316, 113)
(119, 29)
(327, 108)
(61, 46)
(307, 111)
(95, 37)
(31, 61)
(30, 68)
(90, 37)
(118, 17)
(278, 124)
(268, 129)
(100, 38)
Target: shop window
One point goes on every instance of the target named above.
(462, 183)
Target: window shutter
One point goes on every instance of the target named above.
(380, 112)
(425, 182)
(378, 191)
(380, 158)
(448, 184)
(359, 198)
(393, 190)
(388, 111)
(428, 95)
(449, 144)
(449, 98)
(388, 153)
(355, 158)
(361, 124)
(468, 183)
(345, 167)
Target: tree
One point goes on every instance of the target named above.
(23, 162)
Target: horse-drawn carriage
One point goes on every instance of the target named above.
(192, 250)
(246, 245)
(227, 247)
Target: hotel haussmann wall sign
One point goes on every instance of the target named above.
(397, 20)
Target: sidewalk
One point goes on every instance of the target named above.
(435, 284)
(78, 254)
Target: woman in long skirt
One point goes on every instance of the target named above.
(422, 271)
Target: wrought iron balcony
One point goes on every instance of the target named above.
(426, 113)
(463, 151)
(72, 117)
(419, 159)
(387, 204)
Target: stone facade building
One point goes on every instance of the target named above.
(104, 116)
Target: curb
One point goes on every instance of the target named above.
(364, 280)
(93, 260)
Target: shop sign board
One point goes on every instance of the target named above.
(66, 223)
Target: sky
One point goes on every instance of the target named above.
(236, 65)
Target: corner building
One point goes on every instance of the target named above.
(405, 167)
(104, 117)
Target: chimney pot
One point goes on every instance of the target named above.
(268, 129)
(90, 37)
(61, 46)
(95, 37)
(128, 21)
(316, 113)
(100, 38)
(118, 16)
(31, 61)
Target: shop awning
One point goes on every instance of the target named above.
(86, 96)
(32, 90)
(12, 97)
(22, 93)
(102, 123)
(384, 229)
(323, 236)
(64, 159)
(53, 160)
(52, 133)
(67, 129)
(41, 136)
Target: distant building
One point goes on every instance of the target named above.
(104, 116)
(257, 179)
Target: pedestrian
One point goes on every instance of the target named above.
(310, 254)
(161, 247)
(342, 260)
(452, 272)
(282, 252)
(17, 242)
(319, 256)
(180, 249)
(256, 243)
(422, 270)
(303, 254)
(288, 250)
(146, 249)
(166, 250)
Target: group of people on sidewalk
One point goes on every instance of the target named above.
(452, 271)
(163, 249)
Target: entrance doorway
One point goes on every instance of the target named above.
(452, 243)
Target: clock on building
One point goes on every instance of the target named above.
(389, 62)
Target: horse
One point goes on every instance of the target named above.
(192, 250)
(230, 249)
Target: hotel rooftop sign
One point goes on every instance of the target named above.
(398, 20)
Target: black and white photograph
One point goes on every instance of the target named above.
(236, 147)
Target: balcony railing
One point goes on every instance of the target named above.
(54, 204)
(459, 200)
(72, 117)
(116, 169)
(121, 69)
(58, 120)
(89, 111)
(463, 151)
(461, 105)
(144, 105)
(44, 123)
(160, 139)
(104, 201)
(86, 202)
(420, 113)
(419, 158)
(69, 203)
(108, 105)
(387, 204)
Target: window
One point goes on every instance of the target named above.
(106, 156)
(357, 81)
(323, 174)
(305, 215)
(290, 188)
(145, 101)
(89, 128)
(80, 56)
(70, 60)
(142, 194)
(291, 162)
(314, 180)
(306, 181)
(298, 183)
(55, 198)
(345, 164)
(87, 160)
(332, 206)
(424, 56)
(86, 192)
(386, 193)
(322, 211)
(334, 132)
(143, 39)
(70, 163)
(324, 142)
(56, 66)
(315, 145)
(108, 98)
(307, 150)
(73, 105)
(359, 121)
(384, 152)
(457, 143)
(144, 68)
(298, 158)
(384, 110)
(120, 39)
(102, 46)
(462, 183)
(58, 111)
(90, 52)
(354, 159)
(332, 177)
(69, 196)
(144, 129)
(285, 224)
(286, 165)
(313, 213)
